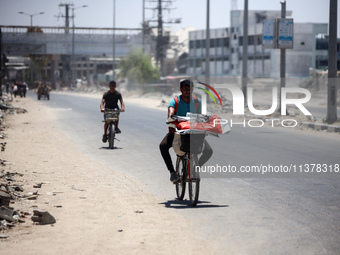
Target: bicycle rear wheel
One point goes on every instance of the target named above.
(112, 134)
(194, 181)
(181, 171)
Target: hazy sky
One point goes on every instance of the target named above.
(99, 13)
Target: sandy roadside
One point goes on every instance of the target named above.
(97, 211)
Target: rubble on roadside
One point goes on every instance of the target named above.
(11, 191)
(12, 188)
(6, 108)
(43, 217)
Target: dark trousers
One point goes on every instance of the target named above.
(166, 144)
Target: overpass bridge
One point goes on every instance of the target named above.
(74, 52)
(25, 40)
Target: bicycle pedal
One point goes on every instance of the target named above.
(178, 181)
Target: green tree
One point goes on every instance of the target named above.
(37, 66)
(138, 68)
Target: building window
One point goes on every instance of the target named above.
(203, 43)
(259, 39)
(212, 43)
(226, 42)
(322, 44)
(251, 40)
(198, 44)
(219, 42)
(198, 63)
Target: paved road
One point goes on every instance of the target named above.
(279, 215)
(320, 112)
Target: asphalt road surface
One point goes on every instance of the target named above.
(258, 213)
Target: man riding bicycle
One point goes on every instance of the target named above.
(180, 106)
(110, 101)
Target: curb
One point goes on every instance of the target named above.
(321, 127)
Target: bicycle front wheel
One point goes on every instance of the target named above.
(181, 170)
(194, 181)
(112, 134)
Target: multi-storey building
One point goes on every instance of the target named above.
(226, 48)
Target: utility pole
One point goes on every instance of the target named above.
(67, 73)
(283, 51)
(143, 26)
(282, 57)
(2, 64)
(162, 40)
(332, 64)
(73, 83)
(73, 67)
(67, 16)
(1, 55)
(207, 46)
(245, 51)
(114, 40)
(3, 61)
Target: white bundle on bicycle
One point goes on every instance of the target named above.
(176, 144)
(198, 125)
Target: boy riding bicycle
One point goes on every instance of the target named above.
(110, 101)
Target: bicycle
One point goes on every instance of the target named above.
(188, 144)
(186, 167)
(111, 117)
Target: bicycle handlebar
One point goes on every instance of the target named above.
(107, 110)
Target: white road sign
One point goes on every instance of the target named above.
(285, 33)
(269, 40)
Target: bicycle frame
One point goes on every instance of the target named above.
(192, 178)
(186, 157)
(185, 165)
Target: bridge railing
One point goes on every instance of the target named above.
(68, 30)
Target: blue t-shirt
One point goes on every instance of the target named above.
(184, 107)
